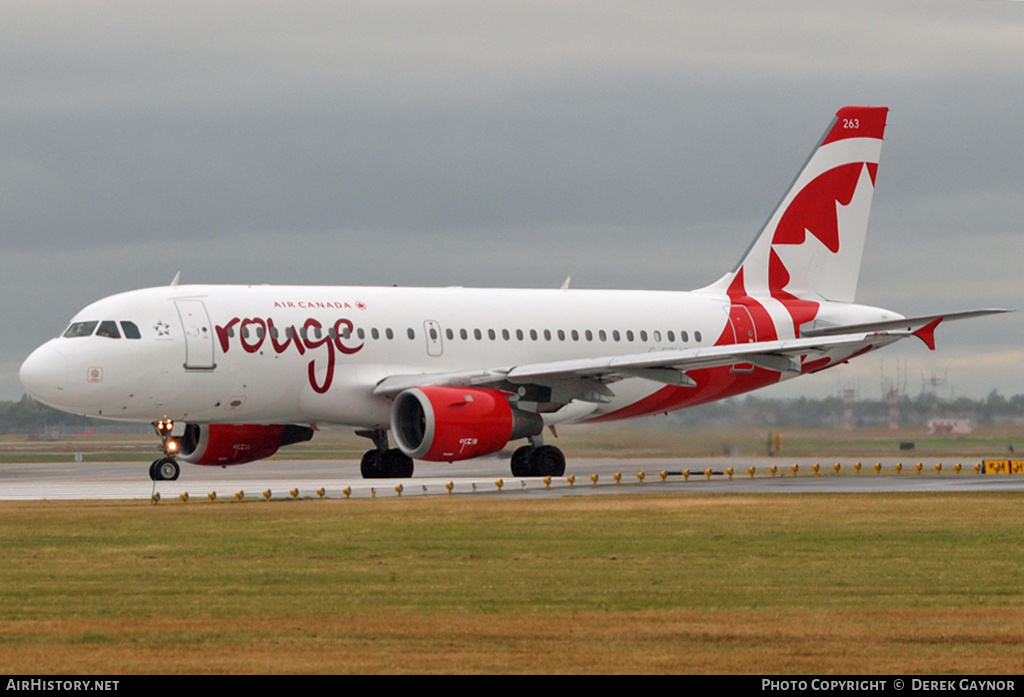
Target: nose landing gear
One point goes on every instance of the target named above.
(165, 468)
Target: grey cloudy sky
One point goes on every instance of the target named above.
(628, 144)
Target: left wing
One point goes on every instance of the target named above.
(587, 379)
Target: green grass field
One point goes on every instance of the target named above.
(649, 583)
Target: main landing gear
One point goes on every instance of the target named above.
(383, 462)
(538, 461)
(534, 460)
(165, 468)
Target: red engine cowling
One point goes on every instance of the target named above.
(455, 423)
(229, 444)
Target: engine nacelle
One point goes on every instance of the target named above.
(230, 444)
(457, 423)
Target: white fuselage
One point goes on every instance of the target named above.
(313, 355)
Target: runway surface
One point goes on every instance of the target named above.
(282, 479)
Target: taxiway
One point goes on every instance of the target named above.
(276, 479)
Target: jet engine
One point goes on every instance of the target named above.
(229, 444)
(455, 423)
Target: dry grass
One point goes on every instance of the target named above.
(910, 583)
(918, 641)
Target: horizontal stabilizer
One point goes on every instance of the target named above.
(907, 323)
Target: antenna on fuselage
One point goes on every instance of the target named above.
(174, 283)
(565, 284)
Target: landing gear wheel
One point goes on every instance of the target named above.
(389, 464)
(542, 461)
(521, 462)
(165, 469)
(547, 461)
(397, 464)
(370, 467)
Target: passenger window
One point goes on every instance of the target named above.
(109, 330)
(80, 329)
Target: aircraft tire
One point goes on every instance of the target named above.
(521, 462)
(396, 464)
(164, 469)
(370, 466)
(547, 461)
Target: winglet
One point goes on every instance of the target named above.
(927, 333)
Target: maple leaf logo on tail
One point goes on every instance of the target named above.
(810, 248)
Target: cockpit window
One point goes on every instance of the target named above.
(80, 329)
(109, 330)
(131, 330)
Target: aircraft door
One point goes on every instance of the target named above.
(432, 330)
(742, 324)
(746, 333)
(198, 334)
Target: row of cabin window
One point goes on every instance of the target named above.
(506, 335)
(107, 328)
(316, 332)
(574, 335)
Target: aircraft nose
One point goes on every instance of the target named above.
(44, 374)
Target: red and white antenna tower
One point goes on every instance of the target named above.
(892, 388)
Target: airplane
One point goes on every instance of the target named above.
(228, 374)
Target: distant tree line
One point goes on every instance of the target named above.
(830, 412)
(28, 416)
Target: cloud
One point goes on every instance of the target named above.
(475, 143)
